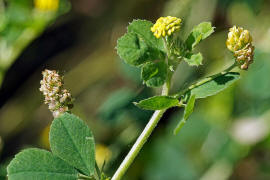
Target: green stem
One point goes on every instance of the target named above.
(205, 80)
(142, 138)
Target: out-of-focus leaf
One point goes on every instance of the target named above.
(199, 33)
(154, 74)
(72, 141)
(32, 164)
(158, 103)
(194, 59)
(116, 102)
(256, 82)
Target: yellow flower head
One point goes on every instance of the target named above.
(46, 5)
(165, 26)
(238, 38)
(240, 43)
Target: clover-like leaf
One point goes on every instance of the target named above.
(143, 29)
(194, 59)
(188, 111)
(72, 141)
(33, 164)
(132, 49)
(154, 74)
(158, 103)
(199, 33)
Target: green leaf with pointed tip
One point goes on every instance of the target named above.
(190, 106)
(154, 74)
(132, 49)
(158, 103)
(72, 141)
(33, 164)
(188, 111)
(215, 85)
(143, 29)
(199, 33)
(194, 59)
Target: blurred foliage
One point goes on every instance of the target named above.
(227, 137)
(20, 24)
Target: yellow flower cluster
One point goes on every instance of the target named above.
(165, 26)
(46, 5)
(238, 38)
(240, 43)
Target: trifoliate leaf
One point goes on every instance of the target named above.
(158, 103)
(33, 164)
(154, 74)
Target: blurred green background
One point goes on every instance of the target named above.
(228, 135)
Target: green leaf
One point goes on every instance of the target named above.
(143, 29)
(215, 85)
(132, 49)
(72, 141)
(199, 33)
(158, 103)
(194, 59)
(189, 107)
(33, 164)
(154, 74)
(188, 111)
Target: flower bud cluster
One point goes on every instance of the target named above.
(58, 99)
(240, 43)
(46, 5)
(165, 26)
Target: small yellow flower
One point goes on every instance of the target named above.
(240, 43)
(46, 5)
(238, 38)
(165, 26)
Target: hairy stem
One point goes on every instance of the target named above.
(148, 128)
(142, 138)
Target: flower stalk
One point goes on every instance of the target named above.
(142, 139)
